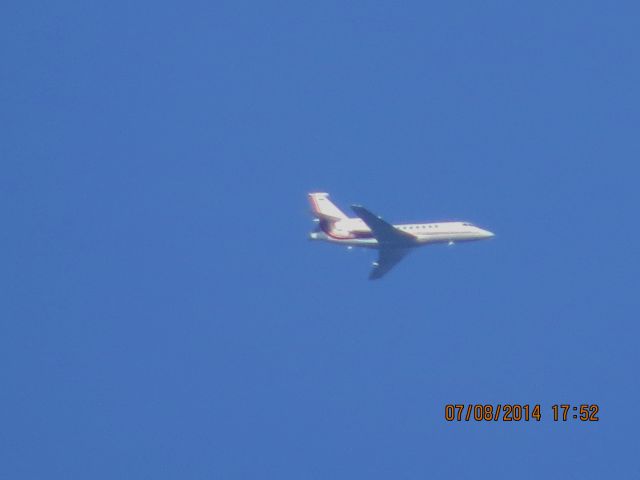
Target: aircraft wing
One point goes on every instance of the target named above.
(383, 231)
(388, 257)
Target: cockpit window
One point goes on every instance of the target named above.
(468, 224)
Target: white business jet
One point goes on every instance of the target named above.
(393, 242)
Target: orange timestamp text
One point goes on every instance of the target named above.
(515, 412)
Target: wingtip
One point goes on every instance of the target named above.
(360, 210)
(374, 274)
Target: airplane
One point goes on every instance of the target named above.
(393, 242)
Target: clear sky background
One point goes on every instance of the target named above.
(164, 315)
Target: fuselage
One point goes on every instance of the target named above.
(354, 232)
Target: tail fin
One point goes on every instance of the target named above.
(324, 209)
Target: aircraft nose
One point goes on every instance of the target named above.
(488, 234)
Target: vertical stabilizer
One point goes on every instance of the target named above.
(324, 209)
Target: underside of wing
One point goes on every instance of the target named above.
(387, 259)
(383, 231)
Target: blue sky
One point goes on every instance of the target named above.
(163, 314)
